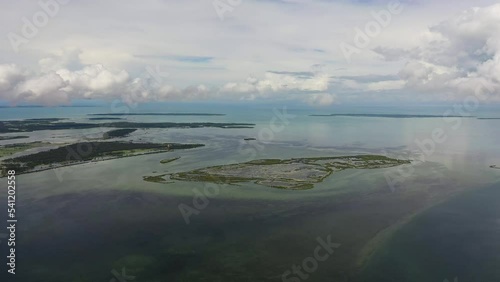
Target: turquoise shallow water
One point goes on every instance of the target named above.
(103, 216)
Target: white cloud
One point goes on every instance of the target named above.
(90, 82)
(10, 75)
(462, 55)
(94, 80)
(386, 85)
(321, 99)
(45, 89)
(106, 58)
(278, 83)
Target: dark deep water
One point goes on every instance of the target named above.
(93, 221)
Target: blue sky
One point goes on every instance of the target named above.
(313, 52)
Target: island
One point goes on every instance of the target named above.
(106, 118)
(84, 152)
(157, 114)
(250, 139)
(30, 125)
(44, 119)
(118, 133)
(291, 174)
(2, 138)
(10, 149)
(166, 161)
(390, 116)
(495, 166)
(157, 178)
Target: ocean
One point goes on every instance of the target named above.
(89, 222)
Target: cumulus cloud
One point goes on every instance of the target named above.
(10, 76)
(459, 57)
(53, 86)
(210, 59)
(94, 81)
(45, 89)
(308, 87)
(452, 59)
(275, 82)
(90, 82)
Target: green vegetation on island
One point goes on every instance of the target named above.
(166, 161)
(10, 149)
(86, 152)
(3, 138)
(118, 133)
(54, 124)
(155, 179)
(29, 125)
(124, 124)
(293, 174)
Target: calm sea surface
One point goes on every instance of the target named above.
(91, 221)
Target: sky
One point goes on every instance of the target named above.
(317, 52)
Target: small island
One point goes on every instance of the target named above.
(250, 139)
(389, 116)
(157, 114)
(157, 178)
(118, 133)
(495, 166)
(105, 118)
(3, 138)
(291, 174)
(166, 161)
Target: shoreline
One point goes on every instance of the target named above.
(106, 158)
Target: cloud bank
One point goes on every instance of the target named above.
(457, 56)
(290, 52)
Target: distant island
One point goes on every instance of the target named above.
(30, 125)
(157, 114)
(2, 138)
(97, 151)
(291, 174)
(118, 133)
(495, 166)
(166, 161)
(106, 118)
(158, 178)
(44, 119)
(388, 116)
